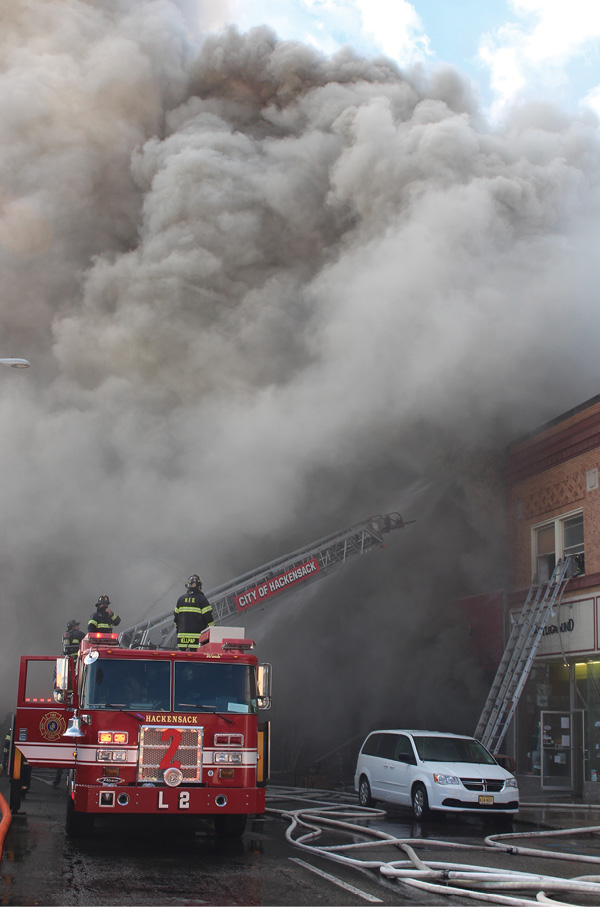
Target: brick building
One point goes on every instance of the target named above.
(554, 510)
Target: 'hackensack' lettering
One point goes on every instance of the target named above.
(292, 576)
(172, 719)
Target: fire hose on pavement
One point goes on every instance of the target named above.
(479, 883)
(4, 822)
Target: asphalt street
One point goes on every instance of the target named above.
(149, 862)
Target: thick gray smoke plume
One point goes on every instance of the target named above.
(262, 291)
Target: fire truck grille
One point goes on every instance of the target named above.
(163, 747)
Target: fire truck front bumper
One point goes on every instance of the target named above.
(168, 800)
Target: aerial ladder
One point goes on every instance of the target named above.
(518, 656)
(322, 556)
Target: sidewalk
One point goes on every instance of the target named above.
(558, 812)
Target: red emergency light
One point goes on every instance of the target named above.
(237, 644)
(106, 638)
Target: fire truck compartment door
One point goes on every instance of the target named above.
(40, 722)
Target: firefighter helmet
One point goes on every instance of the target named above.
(104, 600)
(72, 624)
(193, 582)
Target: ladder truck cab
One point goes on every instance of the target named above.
(150, 731)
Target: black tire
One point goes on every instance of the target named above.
(78, 825)
(16, 795)
(229, 825)
(364, 792)
(420, 803)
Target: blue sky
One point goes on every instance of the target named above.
(513, 50)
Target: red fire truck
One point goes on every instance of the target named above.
(148, 731)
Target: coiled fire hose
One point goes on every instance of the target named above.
(480, 883)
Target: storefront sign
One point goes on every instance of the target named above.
(571, 631)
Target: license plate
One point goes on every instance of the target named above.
(484, 799)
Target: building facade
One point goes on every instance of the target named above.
(554, 511)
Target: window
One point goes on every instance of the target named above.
(452, 749)
(371, 745)
(545, 553)
(573, 542)
(387, 747)
(404, 753)
(202, 687)
(555, 540)
(127, 684)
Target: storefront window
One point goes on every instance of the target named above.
(587, 678)
(547, 689)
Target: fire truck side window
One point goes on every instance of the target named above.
(129, 684)
(202, 687)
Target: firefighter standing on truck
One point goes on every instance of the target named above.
(72, 638)
(192, 615)
(103, 619)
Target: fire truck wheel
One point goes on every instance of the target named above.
(230, 826)
(78, 825)
(15, 795)
(364, 793)
(420, 803)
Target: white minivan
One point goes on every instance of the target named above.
(432, 770)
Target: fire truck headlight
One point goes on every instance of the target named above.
(111, 755)
(220, 758)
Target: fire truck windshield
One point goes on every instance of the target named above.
(211, 687)
(127, 684)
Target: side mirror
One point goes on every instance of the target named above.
(263, 684)
(61, 681)
(62, 692)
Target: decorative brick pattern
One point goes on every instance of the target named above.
(548, 495)
(557, 496)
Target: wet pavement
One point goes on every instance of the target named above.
(149, 862)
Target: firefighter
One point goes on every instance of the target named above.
(72, 638)
(103, 619)
(192, 615)
(6, 751)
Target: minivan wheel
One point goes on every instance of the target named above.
(420, 803)
(364, 793)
